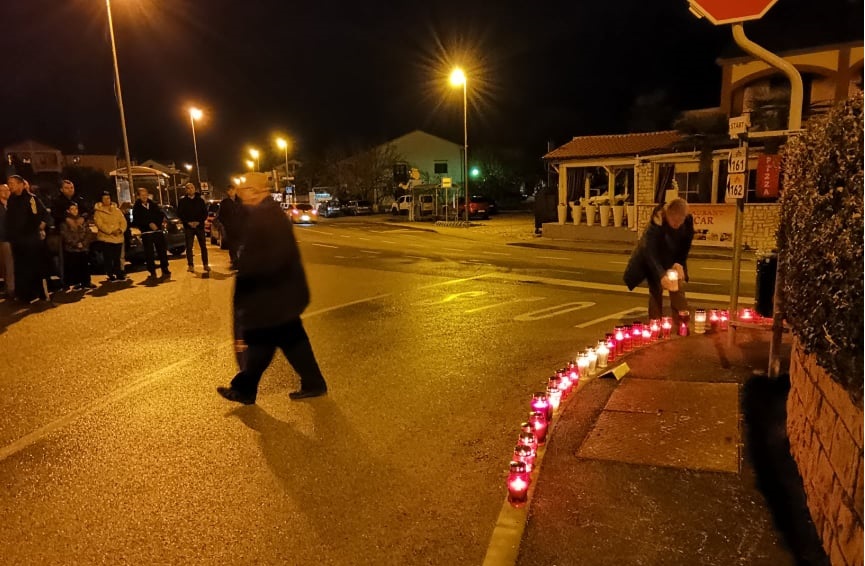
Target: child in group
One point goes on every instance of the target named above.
(76, 238)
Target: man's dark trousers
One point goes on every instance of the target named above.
(155, 240)
(191, 235)
(262, 343)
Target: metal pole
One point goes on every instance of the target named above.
(466, 145)
(120, 103)
(794, 122)
(737, 243)
(195, 146)
(286, 169)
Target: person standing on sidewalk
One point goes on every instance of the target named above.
(76, 238)
(232, 218)
(7, 269)
(148, 217)
(270, 293)
(26, 220)
(192, 211)
(664, 246)
(110, 225)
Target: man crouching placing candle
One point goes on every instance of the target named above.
(661, 257)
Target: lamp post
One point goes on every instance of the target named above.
(458, 78)
(283, 145)
(251, 164)
(255, 154)
(120, 104)
(195, 114)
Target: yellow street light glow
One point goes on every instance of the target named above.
(195, 113)
(250, 163)
(254, 153)
(458, 78)
(188, 166)
(243, 179)
(236, 180)
(281, 143)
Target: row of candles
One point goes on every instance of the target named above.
(624, 339)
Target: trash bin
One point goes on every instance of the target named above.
(767, 269)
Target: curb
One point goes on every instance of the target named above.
(695, 253)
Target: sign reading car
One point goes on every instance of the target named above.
(730, 11)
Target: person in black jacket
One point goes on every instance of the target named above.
(232, 217)
(270, 293)
(26, 221)
(192, 211)
(148, 217)
(664, 246)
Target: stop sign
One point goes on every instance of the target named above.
(731, 11)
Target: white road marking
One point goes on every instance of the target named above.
(494, 253)
(716, 268)
(554, 310)
(340, 257)
(364, 239)
(520, 300)
(324, 245)
(388, 242)
(345, 236)
(638, 311)
(618, 262)
(453, 249)
(369, 252)
(452, 281)
(343, 305)
(414, 257)
(325, 232)
(552, 257)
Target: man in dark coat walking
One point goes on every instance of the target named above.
(148, 217)
(26, 221)
(270, 294)
(664, 247)
(192, 211)
(232, 217)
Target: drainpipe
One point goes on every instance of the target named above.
(794, 123)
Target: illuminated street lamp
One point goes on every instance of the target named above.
(283, 145)
(195, 114)
(255, 154)
(251, 164)
(120, 102)
(458, 78)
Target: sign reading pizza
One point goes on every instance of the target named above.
(731, 11)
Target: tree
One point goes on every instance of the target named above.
(706, 131)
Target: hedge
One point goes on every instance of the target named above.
(820, 241)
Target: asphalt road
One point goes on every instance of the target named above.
(114, 446)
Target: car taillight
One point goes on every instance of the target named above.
(295, 211)
(315, 212)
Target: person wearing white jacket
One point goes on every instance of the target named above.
(111, 224)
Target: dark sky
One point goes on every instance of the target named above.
(345, 74)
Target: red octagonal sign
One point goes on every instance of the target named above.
(731, 11)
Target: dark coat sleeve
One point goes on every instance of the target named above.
(645, 261)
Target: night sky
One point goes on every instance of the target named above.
(348, 74)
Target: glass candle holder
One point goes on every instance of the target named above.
(541, 404)
(603, 353)
(636, 334)
(666, 327)
(724, 319)
(538, 421)
(593, 360)
(620, 340)
(684, 319)
(714, 320)
(747, 315)
(673, 278)
(564, 381)
(611, 347)
(527, 438)
(525, 455)
(626, 333)
(647, 335)
(699, 321)
(518, 482)
(655, 328)
(554, 394)
(583, 365)
(574, 372)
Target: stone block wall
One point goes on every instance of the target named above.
(644, 181)
(759, 226)
(825, 432)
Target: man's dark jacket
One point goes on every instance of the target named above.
(142, 217)
(24, 213)
(192, 209)
(270, 288)
(658, 249)
(232, 215)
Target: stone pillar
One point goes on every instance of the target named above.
(563, 184)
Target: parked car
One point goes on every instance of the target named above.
(358, 207)
(212, 210)
(478, 206)
(403, 203)
(302, 213)
(175, 238)
(330, 208)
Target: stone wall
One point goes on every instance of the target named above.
(825, 432)
(644, 181)
(759, 226)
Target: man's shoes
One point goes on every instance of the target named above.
(207, 268)
(121, 277)
(235, 395)
(166, 275)
(152, 275)
(307, 393)
(112, 277)
(190, 268)
(90, 286)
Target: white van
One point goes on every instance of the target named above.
(403, 203)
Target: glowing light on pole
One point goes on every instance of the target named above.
(458, 78)
(283, 145)
(195, 114)
(255, 154)
(251, 164)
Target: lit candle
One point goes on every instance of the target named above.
(583, 364)
(620, 340)
(527, 438)
(564, 381)
(574, 374)
(626, 333)
(603, 353)
(593, 360)
(684, 319)
(637, 334)
(647, 335)
(724, 317)
(673, 278)
(747, 315)
(541, 404)
(554, 394)
(699, 321)
(666, 326)
(539, 423)
(611, 347)
(655, 328)
(525, 455)
(714, 320)
(518, 483)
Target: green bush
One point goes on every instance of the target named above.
(820, 241)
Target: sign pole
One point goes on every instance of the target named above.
(737, 239)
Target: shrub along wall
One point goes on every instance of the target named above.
(820, 239)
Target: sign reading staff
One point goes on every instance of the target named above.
(713, 224)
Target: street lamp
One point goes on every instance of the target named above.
(251, 164)
(255, 154)
(120, 104)
(283, 145)
(458, 78)
(195, 114)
